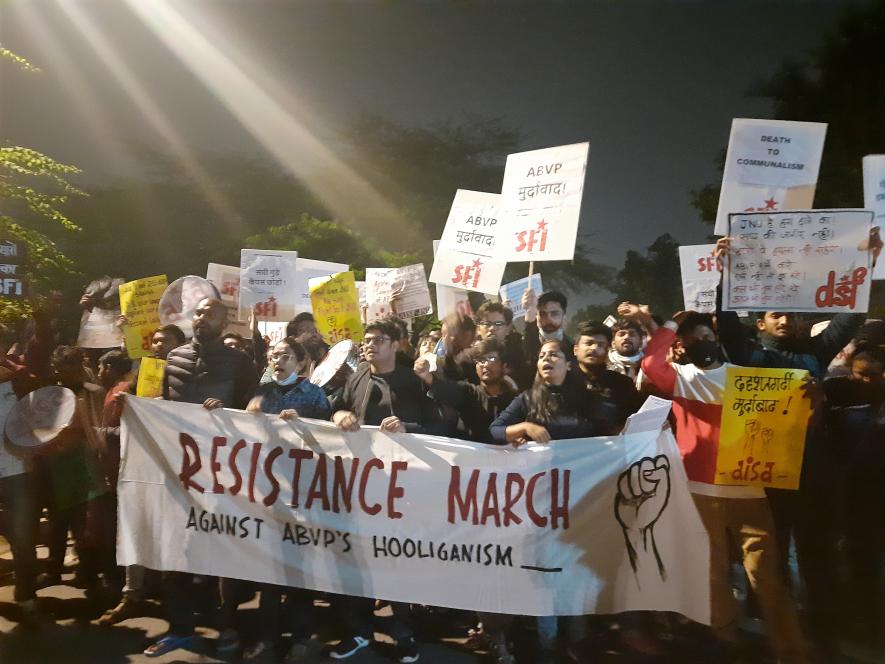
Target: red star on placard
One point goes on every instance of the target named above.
(542, 225)
(476, 263)
(771, 204)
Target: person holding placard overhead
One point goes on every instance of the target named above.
(730, 513)
(805, 515)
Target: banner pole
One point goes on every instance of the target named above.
(531, 271)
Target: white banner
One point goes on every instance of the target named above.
(700, 277)
(511, 294)
(226, 278)
(771, 165)
(401, 291)
(268, 284)
(574, 527)
(807, 260)
(542, 194)
(307, 269)
(874, 197)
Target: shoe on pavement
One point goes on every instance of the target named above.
(349, 647)
(407, 651)
(126, 609)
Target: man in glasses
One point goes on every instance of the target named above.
(389, 395)
(495, 321)
(478, 405)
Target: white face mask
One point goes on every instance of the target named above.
(288, 380)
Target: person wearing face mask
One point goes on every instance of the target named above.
(625, 354)
(738, 513)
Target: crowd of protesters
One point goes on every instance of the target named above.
(479, 379)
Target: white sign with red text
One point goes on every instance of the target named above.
(465, 254)
(771, 165)
(582, 526)
(807, 260)
(874, 198)
(307, 269)
(226, 278)
(542, 195)
(401, 291)
(700, 277)
(268, 284)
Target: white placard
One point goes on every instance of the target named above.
(806, 260)
(874, 198)
(511, 294)
(226, 278)
(542, 195)
(401, 291)
(570, 536)
(307, 269)
(700, 277)
(98, 329)
(268, 282)
(469, 242)
(451, 300)
(771, 166)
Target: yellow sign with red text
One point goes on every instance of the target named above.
(336, 307)
(139, 300)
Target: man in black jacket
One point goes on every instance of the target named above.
(545, 321)
(495, 321)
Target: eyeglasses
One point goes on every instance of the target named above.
(282, 357)
(490, 323)
(487, 360)
(369, 341)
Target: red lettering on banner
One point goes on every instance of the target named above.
(190, 462)
(394, 491)
(234, 489)
(253, 470)
(364, 481)
(490, 502)
(299, 456)
(318, 485)
(271, 498)
(510, 500)
(342, 485)
(559, 509)
(466, 504)
(537, 519)
(218, 441)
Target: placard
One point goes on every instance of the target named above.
(336, 307)
(226, 278)
(511, 294)
(307, 269)
(700, 277)
(465, 257)
(874, 198)
(811, 260)
(150, 377)
(542, 195)
(268, 284)
(12, 282)
(771, 166)
(98, 329)
(401, 291)
(762, 433)
(139, 302)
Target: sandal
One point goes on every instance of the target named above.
(167, 644)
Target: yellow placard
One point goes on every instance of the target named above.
(150, 378)
(762, 433)
(138, 302)
(336, 307)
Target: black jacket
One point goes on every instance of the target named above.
(199, 371)
(532, 344)
(475, 406)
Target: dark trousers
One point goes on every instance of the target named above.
(357, 614)
(19, 504)
(178, 602)
(299, 611)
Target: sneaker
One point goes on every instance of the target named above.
(126, 609)
(407, 651)
(349, 647)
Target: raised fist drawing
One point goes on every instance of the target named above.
(643, 493)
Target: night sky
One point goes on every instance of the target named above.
(653, 86)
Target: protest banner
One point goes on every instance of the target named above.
(139, 302)
(556, 529)
(226, 278)
(874, 198)
(700, 277)
(762, 432)
(12, 282)
(150, 377)
(465, 257)
(541, 196)
(511, 294)
(336, 307)
(807, 260)
(307, 269)
(771, 166)
(268, 284)
(401, 291)
(98, 329)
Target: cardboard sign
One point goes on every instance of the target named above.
(150, 378)
(268, 284)
(274, 331)
(874, 198)
(307, 269)
(139, 301)
(812, 260)
(12, 282)
(401, 291)
(762, 433)
(511, 294)
(542, 195)
(465, 258)
(336, 307)
(226, 278)
(700, 277)
(357, 513)
(98, 329)
(771, 166)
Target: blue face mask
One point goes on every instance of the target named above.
(291, 379)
